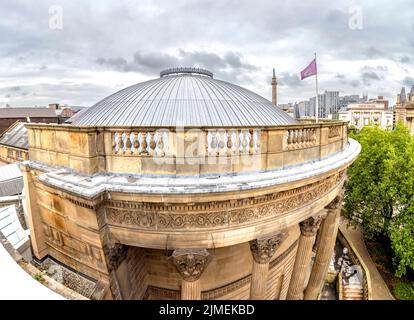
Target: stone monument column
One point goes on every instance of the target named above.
(190, 264)
(262, 250)
(324, 250)
(308, 229)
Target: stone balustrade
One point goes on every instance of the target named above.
(183, 151)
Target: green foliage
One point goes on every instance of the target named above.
(39, 275)
(380, 190)
(404, 291)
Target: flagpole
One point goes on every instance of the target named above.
(317, 95)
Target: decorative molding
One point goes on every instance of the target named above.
(264, 247)
(219, 292)
(115, 255)
(190, 263)
(310, 226)
(334, 131)
(216, 214)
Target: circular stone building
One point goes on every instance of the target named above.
(188, 187)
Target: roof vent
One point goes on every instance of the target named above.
(183, 70)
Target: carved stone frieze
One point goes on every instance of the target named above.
(310, 226)
(264, 247)
(115, 254)
(190, 263)
(216, 214)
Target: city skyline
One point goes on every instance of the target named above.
(87, 58)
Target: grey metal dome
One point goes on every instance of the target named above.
(186, 96)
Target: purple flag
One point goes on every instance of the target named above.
(310, 70)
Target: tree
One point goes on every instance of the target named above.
(380, 190)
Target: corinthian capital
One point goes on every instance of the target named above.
(190, 263)
(264, 247)
(310, 226)
(337, 202)
(115, 254)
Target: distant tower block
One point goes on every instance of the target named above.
(274, 89)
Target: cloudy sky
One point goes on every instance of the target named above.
(98, 47)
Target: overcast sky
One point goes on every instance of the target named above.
(104, 46)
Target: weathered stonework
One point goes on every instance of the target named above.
(115, 254)
(190, 263)
(310, 226)
(264, 248)
(158, 217)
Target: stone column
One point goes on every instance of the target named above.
(115, 254)
(37, 234)
(262, 250)
(190, 264)
(308, 229)
(324, 250)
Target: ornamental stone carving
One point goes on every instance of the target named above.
(264, 247)
(337, 202)
(115, 254)
(219, 214)
(310, 226)
(190, 263)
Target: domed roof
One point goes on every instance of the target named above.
(183, 96)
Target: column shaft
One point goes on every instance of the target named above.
(259, 281)
(303, 258)
(324, 252)
(190, 290)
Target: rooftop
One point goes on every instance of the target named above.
(15, 136)
(11, 180)
(186, 96)
(27, 112)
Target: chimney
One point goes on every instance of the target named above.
(274, 89)
(54, 106)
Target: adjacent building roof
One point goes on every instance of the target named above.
(27, 112)
(11, 180)
(183, 96)
(11, 227)
(15, 136)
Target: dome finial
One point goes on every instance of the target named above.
(189, 70)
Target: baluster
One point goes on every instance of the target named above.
(116, 142)
(136, 142)
(209, 142)
(229, 135)
(124, 142)
(152, 143)
(128, 143)
(144, 144)
(244, 141)
(256, 138)
(289, 138)
(222, 141)
(214, 143)
(131, 142)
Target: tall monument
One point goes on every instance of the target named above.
(274, 89)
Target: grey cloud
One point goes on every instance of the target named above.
(404, 59)
(372, 52)
(355, 84)
(340, 76)
(151, 63)
(408, 81)
(368, 76)
(236, 39)
(290, 80)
